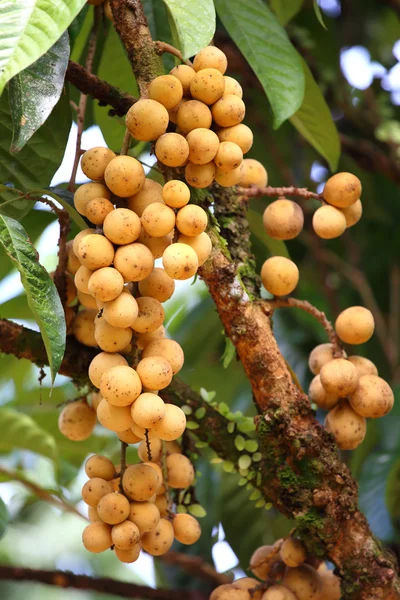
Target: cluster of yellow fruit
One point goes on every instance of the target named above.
(349, 387)
(129, 511)
(205, 109)
(283, 220)
(295, 576)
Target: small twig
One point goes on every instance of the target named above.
(83, 97)
(196, 566)
(271, 305)
(164, 47)
(165, 477)
(126, 143)
(255, 191)
(123, 464)
(148, 447)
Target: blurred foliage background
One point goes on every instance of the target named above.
(356, 63)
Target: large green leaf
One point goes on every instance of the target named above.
(314, 121)
(12, 203)
(194, 21)
(265, 44)
(19, 431)
(29, 29)
(286, 9)
(37, 162)
(41, 292)
(3, 517)
(36, 90)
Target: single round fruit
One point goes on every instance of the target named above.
(200, 176)
(191, 220)
(283, 219)
(122, 226)
(120, 385)
(372, 398)
(140, 482)
(254, 173)
(180, 471)
(96, 537)
(173, 424)
(208, 85)
(156, 245)
(78, 238)
(113, 508)
(101, 363)
(260, 561)
(167, 90)
(159, 540)
(279, 592)
(172, 149)
(86, 300)
(355, 325)
(147, 410)
(168, 349)
(193, 114)
(342, 190)
(94, 489)
(176, 193)
(155, 448)
(229, 178)
(106, 284)
(92, 514)
(77, 420)
(203, 145)
(147, 120)
(114, 418)
(293, 552)
(134, 261)
(128, 436)
(124, 176)
(232, 87)
(145, 338)
(125, 535)
(201, 244)
(363, 365)
(162, 505)
(229, 156)
(157, 285)
(158, 220)
(352, 213)
(145, 515)
(121, 312)
(128, 556)
(330, 585)
(150, 316)
(87, 192)
(279, 275)
(319, 356)
(185, 75)
(339, 377)
(99, 466)
(328, 222)
(155, 373)
(83, 327)
(304, 582)
(112, 339)
(228, 110)
(81, 279)
(240, 134)
(320, 396)
(347, 427)
(180, 261)
(151, 192)
(73, 262)
(210, 57)
(95, 251)
(187, 529)
(94, 162)
(97, 210)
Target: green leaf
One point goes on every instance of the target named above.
(35, 91)
(29, 29)
(228, 354)
(318, 14)
(286, 9)
(12, 203)
(194, 21)
(41, 292)
(4, 517)
(244, 461)
(314, 121)
(18, 430)
(240, 442)
(66, 199)
(267, 48)
(37, 162)
(197, 511)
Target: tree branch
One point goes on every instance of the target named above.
(255, 191)
(102, 585)
(163, 47)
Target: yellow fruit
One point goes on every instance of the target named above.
(279, 275)
(128, 436)
(147, 410)
(106, 284)
(112, 339)
(95, 251)
(124, 176)
(128, 556)
(159, 540)
(339, 377)
(191, 220)
(208, 85)
(203, 145)
(352, 213)
(355, 325)
(120, 385)
(145, 515)
(77, 420)
(293, 552)
(330, 585)
(92, 514)
(347, 427)
(283, 219)
(172, 425)
(99, 466)
(155, 373)
(278, 592)
(87, 300)
(328, 222)
(172, 149)
(228, 111)
(114, 418)
(187, 529)
(155, 450)
(320, 396)
(372, 398)
(180, 261)
(232, 87)
(201, 244)
(304, 582)
(167, 90)
(150, 316)
(94, 490)
(97, 210)
(185, 75)
(125, 535)
(161, 503)
(176, 193)
(101, 363)
(168, 349)
(140, 482)
(83, 327)
(134, 261)
(229, 156)
(147, 120)
(342, 190)
(319, 356)
(210, 57)
(363, 365)
(78, 238)
(239, 134)
(145, 338)
(122, 226)
(180, 471)
(94, 162)
(87, 192)
(200, 176)
(73, 262)
(229, 178)
(96, 537)
(81, 279)
(158, 220)
(193, 114)
(260, 561)
(121, 312)
(254, 173)
(113, 508)
(157, 285)
(151, 192)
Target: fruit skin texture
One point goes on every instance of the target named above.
(191, 220)
(259, 562)
(180, 471)
(151, 192)
(241, 134)
(155, 373)
(158, 285)
(112, 339)
(187, 529)
(159, 540)
(330, 584)
(229, 156)
(229, 178)
(113, 508)
(180, 261)
(122, 226)
(347, 427)
(279, 592)
(293, 552)
(254, 173)
(363, 365)
(114, 418)
(124, 176)
(134, 261)
(125, 535)
(193, 114)
(95, 251)
(203, 145)
(201, 244)
(120, 385)
(320, 396)
(208, 85)
(328, 222)
(140, 482)
(283, 219)
(83, 327)
(210, 57)
(200, 176)
(77, 420)
(105, 284)
(172, 149)
(128, 556)
(78, 238)
(175, 193)
(147, 410)
(232, 86)
(279, 275)
(185, 75)
(146, 120)
(355, 325)
(95, 489)
(87, 192)
(96, 537)
(304, 582)
(173, 424)
(352, 213)
(99, 466)
(95, 161)
(167, 90)
(97, 210)
(320, 355)
(122, 311)
(372, 398)
(339, 377)
(228, 111)
(150, 316)
(158, 220)
(342, 190)
(145, 515)
(168, 349)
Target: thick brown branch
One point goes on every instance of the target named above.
(255, 191)
(102, 585)
(106, 94)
